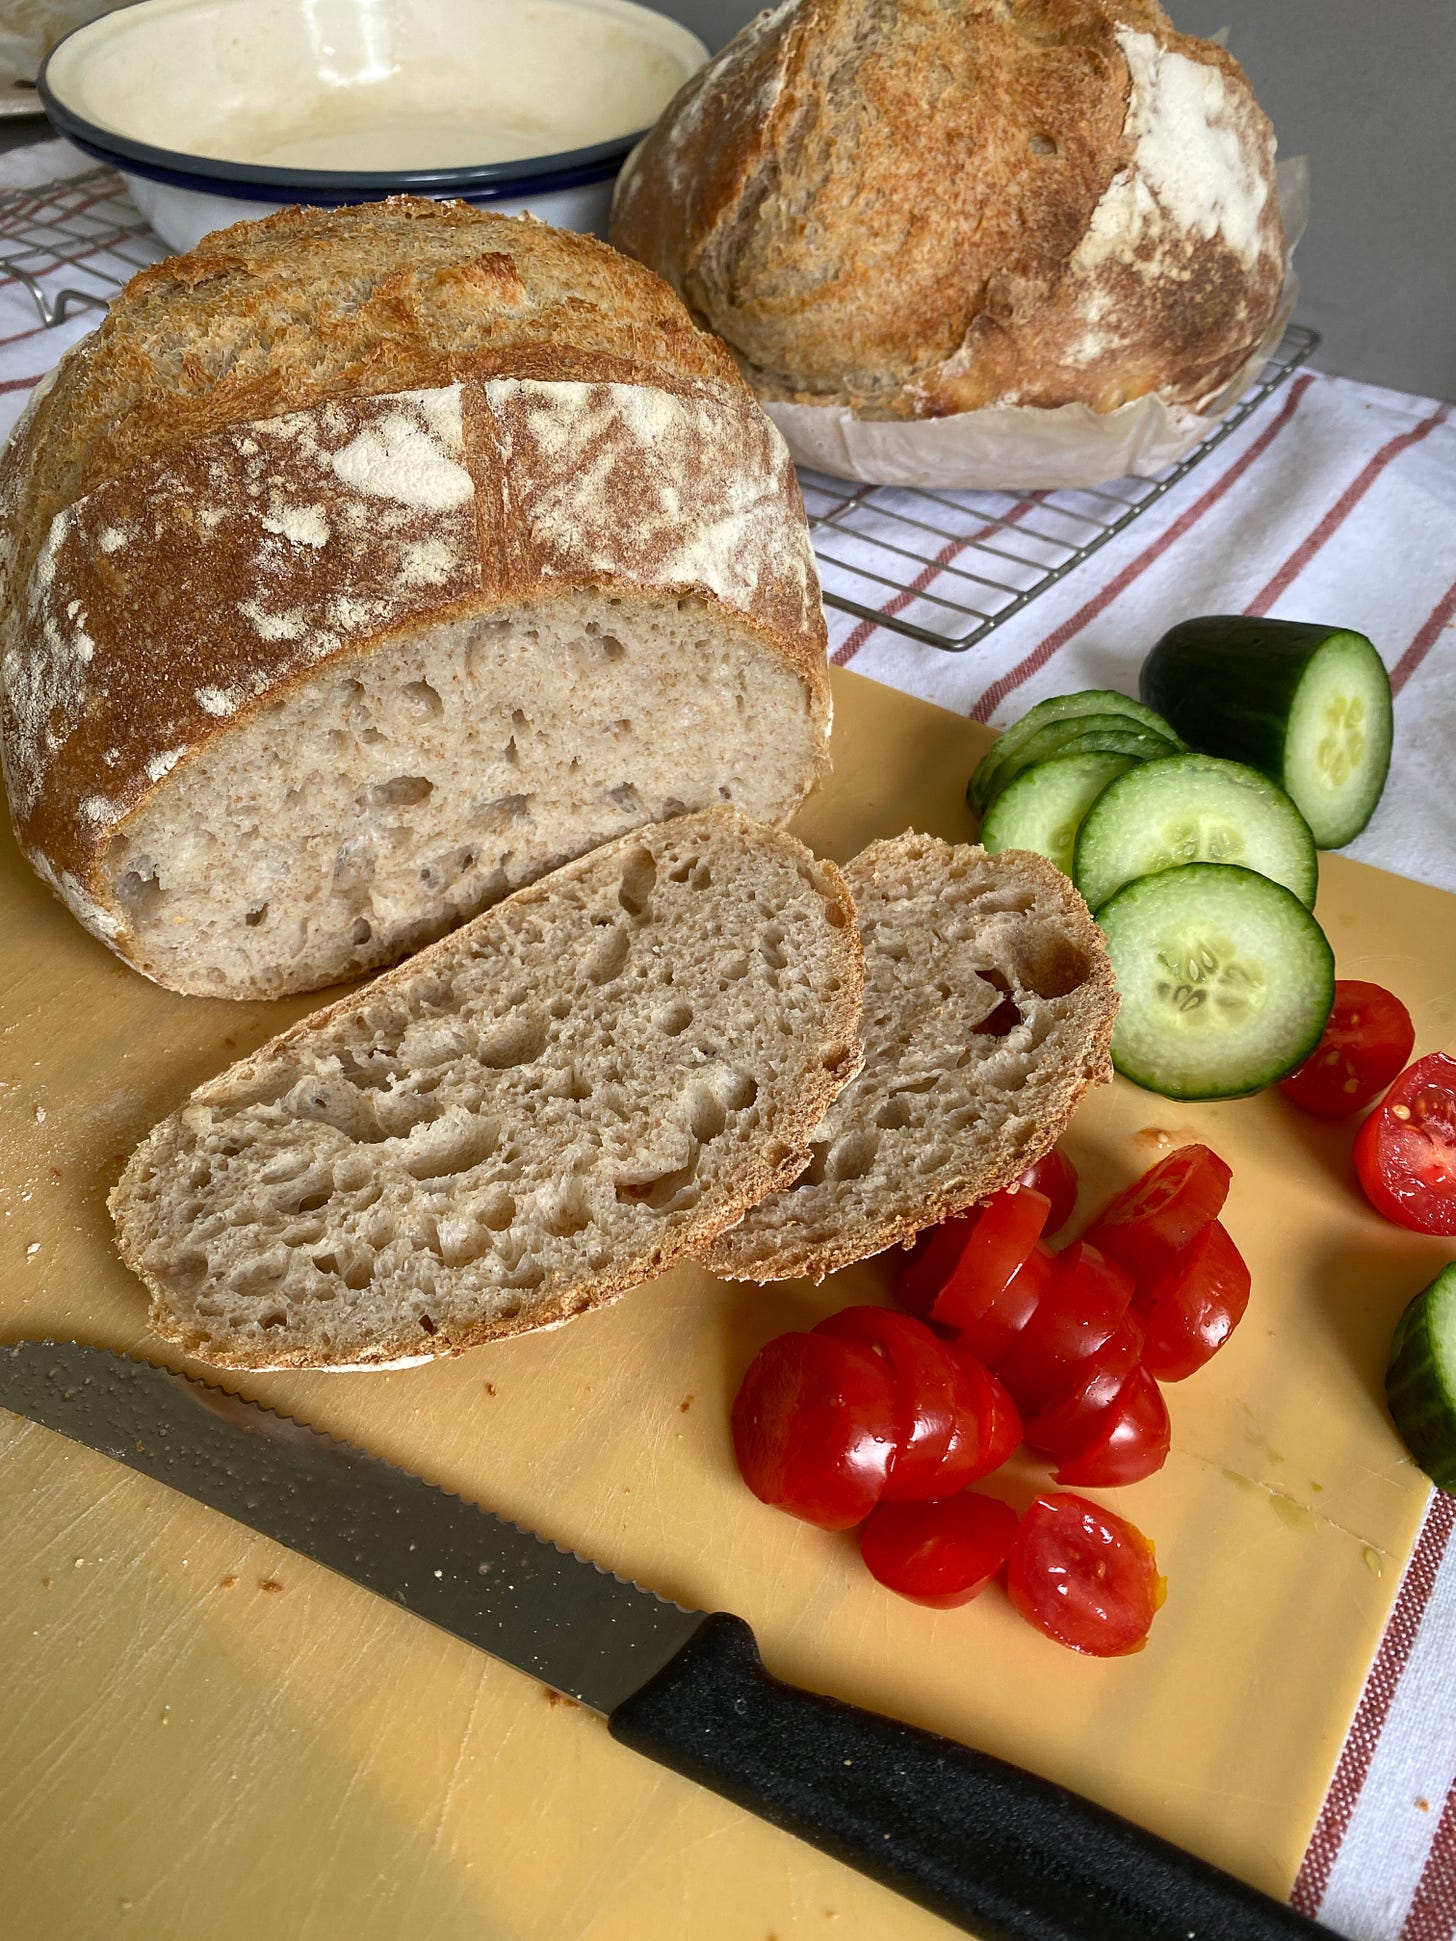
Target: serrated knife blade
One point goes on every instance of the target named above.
(999, 1852)
(549, 1613)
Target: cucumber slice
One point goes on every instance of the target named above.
(1226, 980)
(1193, 809)
(1306, 705)
(1420, 1383)
(1058, 707)
(1086, 734)
(1042, 808)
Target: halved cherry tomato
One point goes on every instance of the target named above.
(932, 1260)
(1405, 1153)
(1056, 1176)
(990, 1330)
(1067, 1423)
(932, 1402)
(1145, 1226)
(1191, 1309)
(996, 1250)
(1132, 1441)
(1084, 1576)
(997, 1432)
(941, 1554)
(1367, 1040)
(814, 1427)
(1077, 1314)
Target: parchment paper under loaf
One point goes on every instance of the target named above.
(1017, 447)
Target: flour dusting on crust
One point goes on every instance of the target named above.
(597, 470)
(1192, 171)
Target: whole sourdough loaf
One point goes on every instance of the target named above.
(538, 1112)
(365, 565)
(989, 1004)
(919, 207)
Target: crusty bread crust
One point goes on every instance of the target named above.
(989, 1008)
(919, 207)
(657, 942)
(276, 316)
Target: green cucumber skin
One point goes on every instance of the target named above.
(1265, 1076)
(984, 784)
(1418, 1390)
(1093, 734)
(1226, 684)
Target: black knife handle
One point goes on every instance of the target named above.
(1003, 1854)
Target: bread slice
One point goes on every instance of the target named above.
(557, 1102)
(989, 1005)
(367, 565)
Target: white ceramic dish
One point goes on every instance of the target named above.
(217, 110)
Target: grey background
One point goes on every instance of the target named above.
(1366, 92)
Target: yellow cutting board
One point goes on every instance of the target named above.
(202, 1735)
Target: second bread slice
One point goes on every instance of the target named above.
(552, 1105)
(989, 1004)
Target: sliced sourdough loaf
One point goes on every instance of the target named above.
(989, 1004)
(367, 565)
(552, 1105)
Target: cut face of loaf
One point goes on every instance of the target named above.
(540, 1111)
(366, 813)
(303, 695)
(989, 1006)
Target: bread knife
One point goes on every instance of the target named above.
(995, 1850)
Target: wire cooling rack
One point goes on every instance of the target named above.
(943, 568)
(73, 244)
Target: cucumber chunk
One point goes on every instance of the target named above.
(1101, 701)
(1420, 1383)
(1308, 706)
(1193, 809)
(1226, 980)
(1087, 734)
(1043, 807)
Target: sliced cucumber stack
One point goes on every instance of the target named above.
(1043, 808)
(1095, 710)
(1420, 1383)
(1308, 706)
(1192, 809)
(1226, 980)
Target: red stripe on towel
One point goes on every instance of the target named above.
(1150, 555)
(1374, 1707)
(948, 554)
(1435, 624)
(1340, 511)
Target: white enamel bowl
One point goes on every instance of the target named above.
(218, 110)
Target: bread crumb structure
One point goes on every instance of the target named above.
(546, 1108)
(988, 1010)
(923, 207)
(303, 665)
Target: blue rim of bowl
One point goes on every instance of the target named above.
(252, 181)
(342, 187)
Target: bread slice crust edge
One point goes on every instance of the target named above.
(756, 1251)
